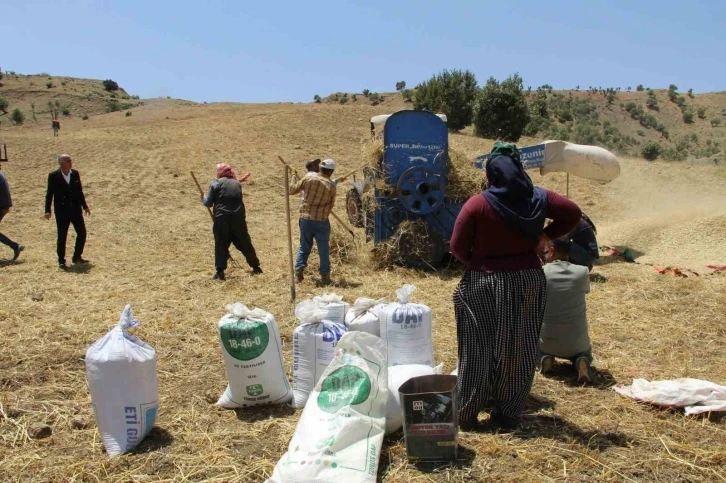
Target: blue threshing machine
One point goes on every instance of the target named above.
(411, 183)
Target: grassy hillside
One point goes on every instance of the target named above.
(623, 124)
(79, 96)
(151, 245)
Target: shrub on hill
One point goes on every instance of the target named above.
(701, 111)
(110, 85)
(673, 92)
(17, 117)
(651, 101)
(715, 122)
(407, 95)
(651, 151)
(400, 85)
(639, 88)
(316, 98)
(65, 111)
(49, 84)
(690, 93)
(4, 105)
(451, 92)
(366, 92)
(688, 116)
(85, 117)
(128, 113)
(500, 109)
(375, 98)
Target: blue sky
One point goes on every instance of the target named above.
(268, 51)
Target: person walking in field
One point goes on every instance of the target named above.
(500, 301)
(65, 193)
(315, 207)
(564, 331)
(230, 222)
(6, 203)
(56, 127)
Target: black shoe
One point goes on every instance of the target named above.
(219, 276)
(473, 426)
(62, 266)
(502, 422)
(16, 251)
(257, 271)
(80, 261)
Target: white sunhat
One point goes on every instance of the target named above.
(328, 164)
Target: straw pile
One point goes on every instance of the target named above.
(413, 243)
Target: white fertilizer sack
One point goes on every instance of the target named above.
(406, 329)
(340, 433)
(314, 342)
(364, 316)
(334, 306)
(252, 355)
(121, 372)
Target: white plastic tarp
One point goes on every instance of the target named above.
(695, 395)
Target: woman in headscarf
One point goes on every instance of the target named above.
(230, 222)
(500, 301)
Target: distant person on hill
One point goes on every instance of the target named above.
(230, 221)
(6, 203)
(56, 127)
(583, 248)
(66, 194)
(564, 331)
(316, 205)
(500, 302)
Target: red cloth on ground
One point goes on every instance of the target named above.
(485, 243)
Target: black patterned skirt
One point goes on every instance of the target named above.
(498, 319)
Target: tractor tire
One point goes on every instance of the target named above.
(354, 208)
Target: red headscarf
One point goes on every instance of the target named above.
(224, 170)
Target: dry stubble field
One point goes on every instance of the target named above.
(151, 246)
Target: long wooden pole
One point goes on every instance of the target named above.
(289, 233)
(568, 185)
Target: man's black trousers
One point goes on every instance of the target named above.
(232, 229)
(63, 222)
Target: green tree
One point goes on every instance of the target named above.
(639, 88)
(316, 98)
(690, 93)
(17, 117)
(501, 110)
(110, 85)
(451, 92)
(651, 151)
(400, 86)
(651, 101)
(673, 92)
(366, 92)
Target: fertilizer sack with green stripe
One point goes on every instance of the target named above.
(252, 355)
(340, 432)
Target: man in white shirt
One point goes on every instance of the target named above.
(564, 332)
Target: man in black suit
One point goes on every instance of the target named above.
(66, 193)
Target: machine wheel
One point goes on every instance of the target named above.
(422, 249)
(354, 208)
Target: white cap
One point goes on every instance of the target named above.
(328, 164)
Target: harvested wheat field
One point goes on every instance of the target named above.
(151, 245)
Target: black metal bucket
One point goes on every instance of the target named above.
(430, 417)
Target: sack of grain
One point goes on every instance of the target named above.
(363, 316)
(121, 372)
(397, 375)
(313, 346)
(252, 355)
(334, 305)
(340, 432)
(406, 329)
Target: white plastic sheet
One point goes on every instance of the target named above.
(695, 395)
